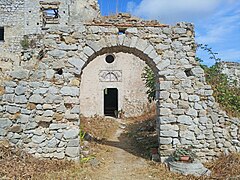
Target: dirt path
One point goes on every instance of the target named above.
(118, 163)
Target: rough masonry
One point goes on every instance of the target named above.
(43, 56)
(232, 71)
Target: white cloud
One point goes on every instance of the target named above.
(217, 22)
(219, 27)
(171, 11)
(230, 55)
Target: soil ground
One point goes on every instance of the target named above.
(114, 150)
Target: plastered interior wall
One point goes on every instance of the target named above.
(132, 97)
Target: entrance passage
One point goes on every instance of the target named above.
(111, 102)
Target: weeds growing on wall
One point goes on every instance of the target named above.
(227, 96)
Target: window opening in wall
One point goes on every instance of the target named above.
(59, 71)
(110, 58)
(188, 72)
(121, 31)
(111, 102)
(50, 12)
(1, 33)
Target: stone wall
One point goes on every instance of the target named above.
(232, 70)
(40, 95)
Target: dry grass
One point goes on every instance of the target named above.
(17, 164)
(99, 127)
(226, 167)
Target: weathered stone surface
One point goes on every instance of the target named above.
(50, 73)
(165, 140)
(5, 123)
(73, 143)
(71, 133)
(195, 168)
(19, 90)
(20, 74)
(70, 91)
(38, 139)
(36, 98)
(57, 53)
(72, 151)
(21, 99)
(76, 62)
(165, 85)
(185, 120)
(16, 128)
(169, 133)
(57, 126)
(12, 109)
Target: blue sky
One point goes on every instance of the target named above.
(217, 22)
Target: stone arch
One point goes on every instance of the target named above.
(139, 47)
(136, 46)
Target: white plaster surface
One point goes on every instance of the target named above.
(131, 89)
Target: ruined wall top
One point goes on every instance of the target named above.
(127, 20)
(33, 15)
(232, 71)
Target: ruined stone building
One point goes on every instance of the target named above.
(60, 59)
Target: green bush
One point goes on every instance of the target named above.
(150, 83)
(227, 96)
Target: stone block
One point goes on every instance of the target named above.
(73, 143)
(72, 151)
(165, 111)
(88, 51)
(163, 64)
(21, 99)
(57, 126)
(71, 133)
(165, 85)
(38, 139)
(70, 91)
(167, 120)
(76, 62)
(5, 123)
(19, 90)
(169, 133)
(36, 98)
(12, 109)
(183, 119)
(20, 74)
(165, 141)
(57, 53)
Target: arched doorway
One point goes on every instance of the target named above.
(119, 76)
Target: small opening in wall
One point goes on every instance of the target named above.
(50, 16)
(110, 58)
(188, 72)
(1, 33)
(50, 12)
(121, 31)
(29, 11)
(59, 71)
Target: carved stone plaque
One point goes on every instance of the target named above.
(110, 76)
